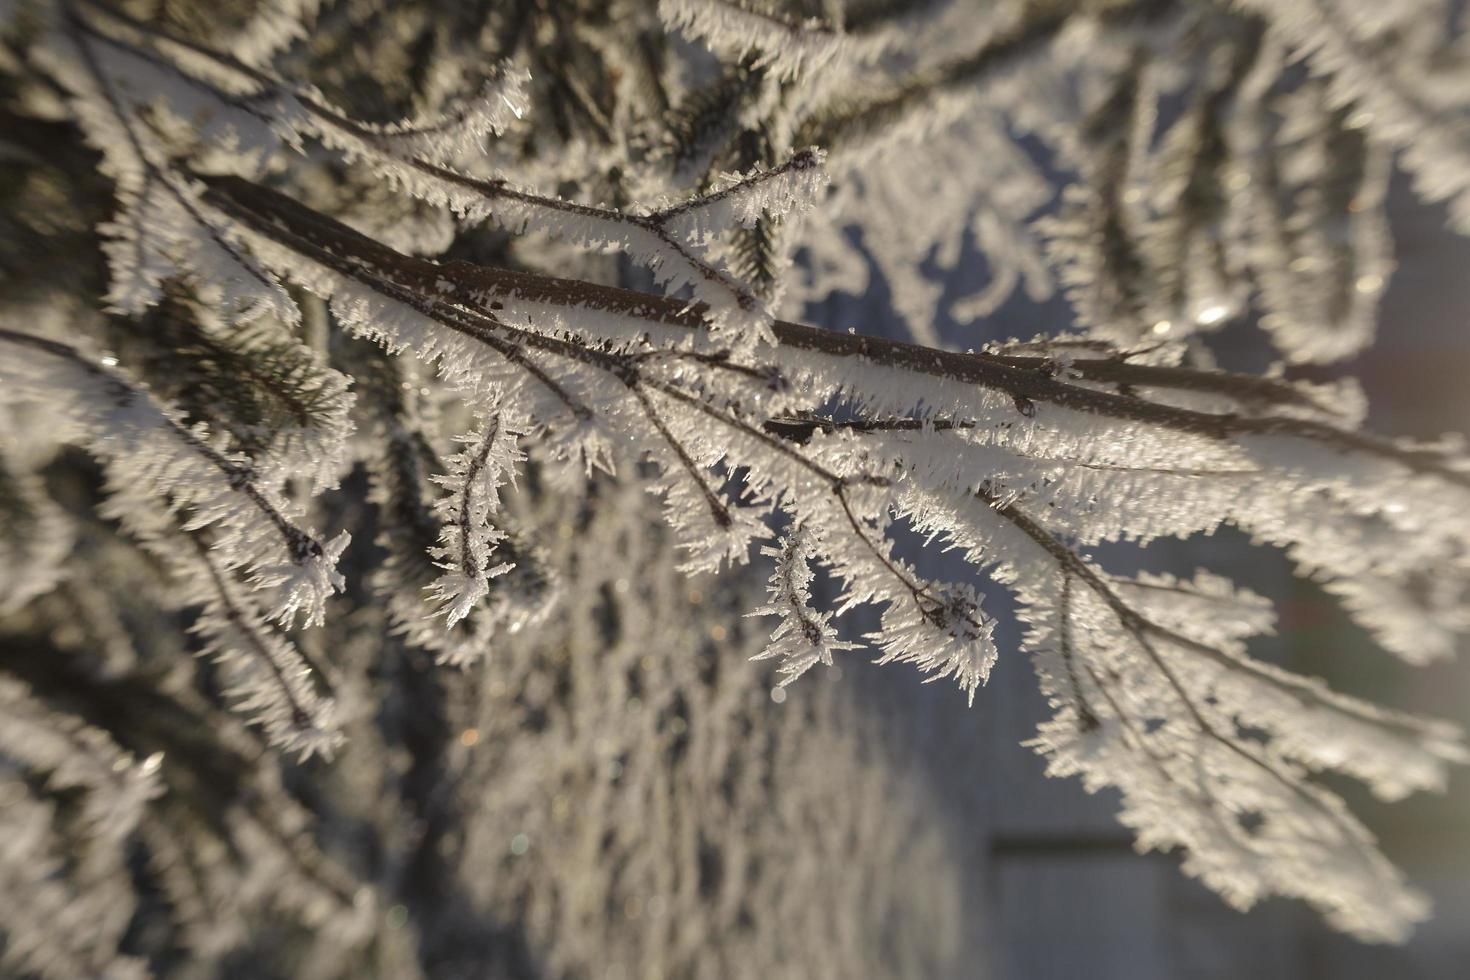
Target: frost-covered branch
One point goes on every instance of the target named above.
(805, 636)
(469, 538)
(1023, 390)
(288, 236)
(1219, 466)
(261, 114)
(1206, 690)
(181, 467)
(268, 679)
(789, 48)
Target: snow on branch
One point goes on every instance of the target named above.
(459, 134)
(732, 307)
(469, 536)
(35, 535)
(1019, 464)
(417, 156)
(1029, 460)
(740, 199)
(789, 49)
(76, 906)
(73, 755)
(805, 636)
(159, 227)
(184, 468)
(1400, 101)
(266, 678)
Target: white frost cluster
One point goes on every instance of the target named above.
(119, 72)
(467, 542)
(790, 49)
(173, 486)
(805, 636)
(77, 906)
(153, 455)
